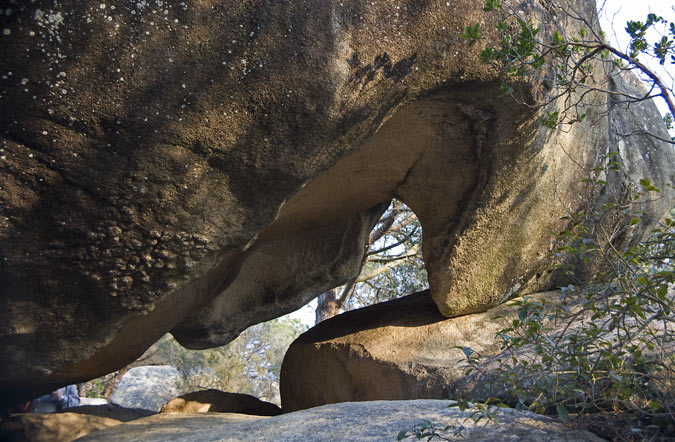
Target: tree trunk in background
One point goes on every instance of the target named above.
(394, 229)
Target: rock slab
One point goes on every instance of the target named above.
(52, 427)
(376, 421)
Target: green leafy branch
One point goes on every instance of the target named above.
(567, 63)
(610, 347)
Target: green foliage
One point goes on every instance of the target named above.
(551, 119)
(486, 411)
(662, 48)
(472, 34)
(639, 44)
(95, 389)
(491, 5)
(250, 364)
(429, 431)
(564, 63)
(609, 347)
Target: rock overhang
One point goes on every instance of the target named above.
(202, 157)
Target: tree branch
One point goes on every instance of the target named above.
(388, 266)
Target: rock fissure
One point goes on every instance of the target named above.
(409, 172)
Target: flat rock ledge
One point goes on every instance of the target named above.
(51, 427)
(349, 421)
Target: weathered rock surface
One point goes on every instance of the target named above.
(364, 421)
(52, 427)
(216, 401)
(205, 166)
(148, 388)
(401, 349)
(111, 411)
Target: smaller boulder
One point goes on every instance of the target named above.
(52, 427)
(395, 350)
(147, 387)
(220, 402)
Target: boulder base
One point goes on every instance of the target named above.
(220, 402)
(111, 411)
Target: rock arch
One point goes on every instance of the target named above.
(204, 168)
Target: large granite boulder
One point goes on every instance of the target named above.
(147, 388)
(396, 350)
(51, 427)
(199, 167)
(216, 401)
(363, 421)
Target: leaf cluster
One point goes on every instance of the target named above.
(607, 348)
(564, 62)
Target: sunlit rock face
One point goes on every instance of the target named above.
(203, 166)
